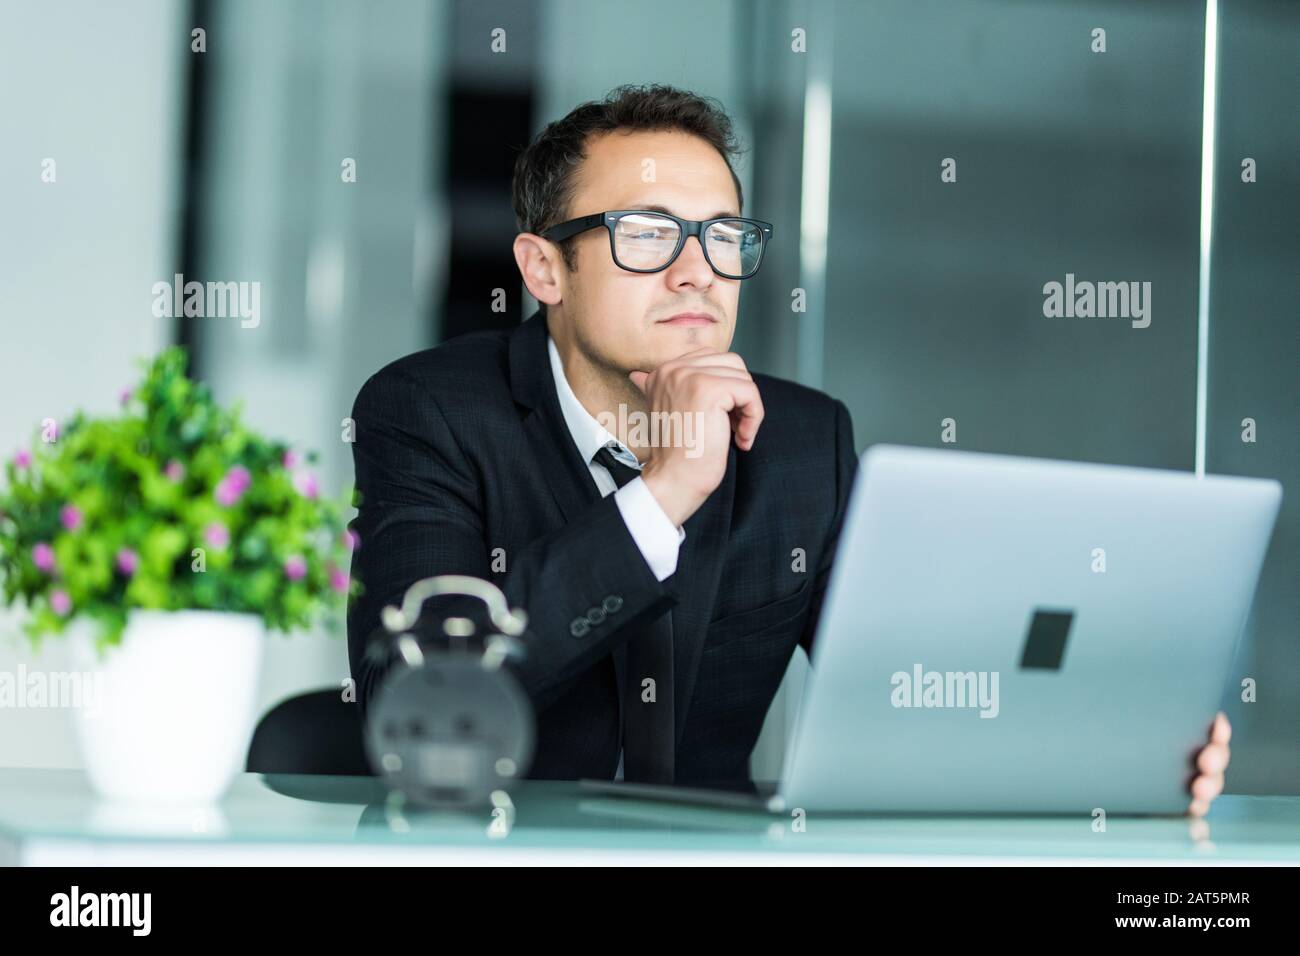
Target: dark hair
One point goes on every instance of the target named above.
(543, 181)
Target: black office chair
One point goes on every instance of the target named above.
(313, 733)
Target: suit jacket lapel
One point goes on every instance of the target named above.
(533, 386)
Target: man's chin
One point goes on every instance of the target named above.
(676, 341)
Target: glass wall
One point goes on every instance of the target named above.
(1254, 355)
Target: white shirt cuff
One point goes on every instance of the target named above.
(653, 531)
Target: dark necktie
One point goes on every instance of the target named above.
(648, 725)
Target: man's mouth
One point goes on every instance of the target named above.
(688, 319)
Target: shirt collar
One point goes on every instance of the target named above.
(588, 434)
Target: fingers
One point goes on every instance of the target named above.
(723, 371)
(745, 438)
(713, 358)
(1203, 790)
(737, 396)
(703, 351)
(1221, 730)
(706, 360)
(706, 356)
(726, 379)
(641, 379)
(1213, 759)
(1206, 787)
(1211, 763)
(746, 410)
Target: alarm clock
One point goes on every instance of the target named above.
(449, 725)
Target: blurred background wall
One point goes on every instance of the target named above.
(100, 94)
(923, 297)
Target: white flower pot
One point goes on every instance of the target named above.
(174, 707)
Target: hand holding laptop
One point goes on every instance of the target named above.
(1211, 762)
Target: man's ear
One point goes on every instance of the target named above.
(541, 267)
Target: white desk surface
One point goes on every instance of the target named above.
(53, 818)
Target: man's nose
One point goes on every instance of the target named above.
(691, 264)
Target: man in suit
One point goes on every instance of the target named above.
(668, 574)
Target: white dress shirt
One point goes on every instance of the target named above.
(653, 531)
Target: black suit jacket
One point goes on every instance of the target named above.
(462, 449)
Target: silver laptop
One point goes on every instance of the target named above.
(1007, 634)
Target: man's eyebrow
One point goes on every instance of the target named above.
(650, 207)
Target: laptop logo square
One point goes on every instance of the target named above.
(1045, 642)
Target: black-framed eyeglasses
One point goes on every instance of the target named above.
(642, 240)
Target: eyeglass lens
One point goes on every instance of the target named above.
(647, 241)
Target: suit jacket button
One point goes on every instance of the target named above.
(595, 616)
(579, 627)
(613, 604)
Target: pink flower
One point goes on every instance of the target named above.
(305, 482)
(23, 459)
(290, 460)
(339, 579)
(127, 561)
(71, 517)
(124, 396)
(60, 603)
(351, 540)
(216, 535)
(295, 567)
(174, 471)
(43, 557)
(233, 485)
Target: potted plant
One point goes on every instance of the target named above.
(164, 542)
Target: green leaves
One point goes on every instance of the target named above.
(173, 504)
(159, 549)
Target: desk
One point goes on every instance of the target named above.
(51, 817)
